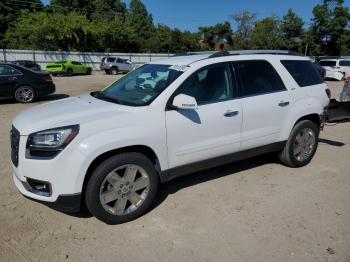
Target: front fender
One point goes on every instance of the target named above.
(108, 140)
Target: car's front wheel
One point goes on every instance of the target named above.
(122, 188)
(301, 145)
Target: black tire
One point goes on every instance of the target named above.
(97, 180)
(107, 72)
(287, 155)
(114, 70)
(25, 94)
(69, 72)
(88, 71)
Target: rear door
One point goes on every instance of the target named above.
(214, 129)
(265, 102)
(8, 80)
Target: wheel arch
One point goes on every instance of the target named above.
(315, 118)
(142, 149)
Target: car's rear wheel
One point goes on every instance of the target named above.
(69, 72)
(114, 70)
(122, 188)
(301, 145)
(25, 94)
(88, 71)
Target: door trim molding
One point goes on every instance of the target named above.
(175, 172)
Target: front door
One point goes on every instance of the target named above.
(214, 129)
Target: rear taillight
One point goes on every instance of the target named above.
(328, 92)
(47, 78)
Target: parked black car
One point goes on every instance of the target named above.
(23, 84)
(28, 64)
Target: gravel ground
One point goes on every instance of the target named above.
(254, 210)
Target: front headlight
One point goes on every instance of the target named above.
(49, 143)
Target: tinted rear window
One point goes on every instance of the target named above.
(110, 59)
(303, 72)
(328, 63)
(258, 77)
(344, 63)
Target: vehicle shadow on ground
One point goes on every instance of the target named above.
(331, 142)
(193, 179)
(48, 98)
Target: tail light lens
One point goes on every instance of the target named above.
(328, 92)
(47, 78)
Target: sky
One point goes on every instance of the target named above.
(190, 14)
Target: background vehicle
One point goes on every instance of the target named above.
(336, 68)
(345, 93)
(68, 68)
(23, 84)
(194, 112)
(28, 64)
(113, 65)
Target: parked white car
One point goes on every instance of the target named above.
(168, 118)
(345, 93)
(336, 68)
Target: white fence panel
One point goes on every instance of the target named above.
(93, 59)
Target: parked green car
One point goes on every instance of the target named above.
(68, 68)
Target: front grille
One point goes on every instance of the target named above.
(15, 137)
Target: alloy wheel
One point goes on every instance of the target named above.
(24, 94)
(304, 144)
(124, 189)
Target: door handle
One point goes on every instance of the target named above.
(12, 78)
(283, 103)
(230, 113)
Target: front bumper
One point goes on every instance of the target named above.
(65, 203)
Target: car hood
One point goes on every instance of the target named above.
(82, 110)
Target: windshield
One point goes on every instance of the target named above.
(141, 86)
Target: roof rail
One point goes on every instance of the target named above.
(254, 52)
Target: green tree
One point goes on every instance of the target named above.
(217, 34)
(292, 30)
(245, 23)
(267, 34)
(142, 22)
(41, 30)
(9, 10)
(329, 26)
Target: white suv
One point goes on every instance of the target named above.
(110, 149)
(336, 68)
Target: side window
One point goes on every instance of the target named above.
(76, 63)
(303, 72)
(209, 84)
(257, 77)
(110, 59)
(119, 61)
(7, 70)
(344, 63)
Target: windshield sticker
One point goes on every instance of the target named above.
(181, 68)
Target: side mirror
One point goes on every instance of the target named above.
(182, 101)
